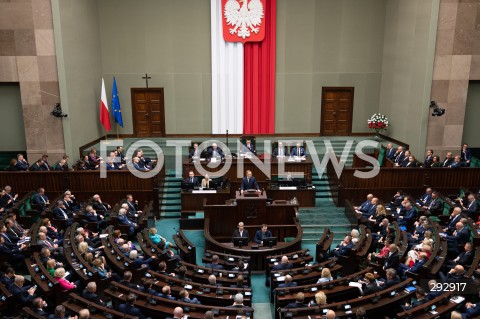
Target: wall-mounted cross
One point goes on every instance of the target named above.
(146, 77)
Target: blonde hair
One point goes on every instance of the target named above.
(51, 263)
(152, 230)
(381, 210)
(83, 247)
(326, 273)
(321, 298)
(59, 272)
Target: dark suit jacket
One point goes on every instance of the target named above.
(57, 213)
(39, 200)
(436, 206)
(465, 156)
(285, 152)
(245, 149)
(131, 310)
(428, 161)
(465, 258)
(344, 250)
(296, 152)
(259, 236)
(214, 266)
(460, 238)
(22, 166)
(236, 233)
(447, 163)
(23, 297)
(296, 305)
(392, 261)
(219, 151)
(92, 297)
(249, 183)
(281, 266)
(35, 168)
(474, 311)
(188, 180)
(472, 208)
(399, 158)
(417, 267)
(390, 282)
(391, 153)
(290, 284)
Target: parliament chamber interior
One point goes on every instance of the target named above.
(235, 170)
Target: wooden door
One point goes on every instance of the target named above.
(337, 109)
(148, 112)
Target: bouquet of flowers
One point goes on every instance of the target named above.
(378, 122)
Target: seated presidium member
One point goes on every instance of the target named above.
(215, 151)
(298, 150)
(191, 178)
(280, 151)
(248, 147)
(240, 232)
(249, 182)
(206, 181)
(261, 234)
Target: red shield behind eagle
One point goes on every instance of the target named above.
(243, 20)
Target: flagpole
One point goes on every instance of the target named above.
(117, 132)
(106, 136)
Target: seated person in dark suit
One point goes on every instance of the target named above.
(127, 280)
(436, 205)
(22, 164)
(298, 150)
(455, 275)
(427, 163)
(409, 216)
(62, 213)
(390, 152)
(412, 161)
(148, 287)
(212, 281)
(139, 166)
(457, 163)
(393, 259)
(369, 286)
(471, 207)
(460, 237)
(89, 293)
(344, 248)
(191, 178)
(145, 161)
(166, 293)
(215, 151)
(12, 167)
(100, 206)
(194, 152)
(283, 265)
(9, 197)
(420, 299)
(405, 159)
(261, 234)
(240, 282)
(399, 155)
(249, 182)
(417, 266)
(90, 216)
(448, 160)
(123, 220)
(391, 280)
(181, 273)
(288, 282)
(214, 264)
(299, 301)
(464, 259)
(177, 313)
(129, 307)
(40, 199)
(140, 261)
(8, 277)
(38, 305)
(397, 200)
(365, 206)
(281, 150)
(37, 166)
(237, 301)
(22, 296)
(11, 250)
(241, 232)
(60, 313)
(185, 297)
(473, 310)
(248, 147)
(426, 198)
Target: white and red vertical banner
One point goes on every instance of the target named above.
(249, 25)
(227, 78)
(104, 113)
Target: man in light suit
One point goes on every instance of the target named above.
(191, 178)
(280, 150)
(249, 182)
(298, 150)
(240, 232)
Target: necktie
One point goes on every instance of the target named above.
(7, 238)
(48, 243)
(64, 215)
(430, 206)
(43, 199)
(191, 180)
(298, 151)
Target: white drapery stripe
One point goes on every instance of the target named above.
(227, 78)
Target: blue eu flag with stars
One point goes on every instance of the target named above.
(117, 113)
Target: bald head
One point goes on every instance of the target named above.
(178, 312)
(330, 314)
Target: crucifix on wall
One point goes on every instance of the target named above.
(146, 77)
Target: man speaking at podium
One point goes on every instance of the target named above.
(249, 182)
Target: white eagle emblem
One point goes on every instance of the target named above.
(244, 19)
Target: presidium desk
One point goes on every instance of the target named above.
(253, 210)
(193, 201)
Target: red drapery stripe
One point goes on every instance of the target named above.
(259, 78)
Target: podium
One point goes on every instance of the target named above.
(253, 205)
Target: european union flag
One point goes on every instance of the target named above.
(117, 113)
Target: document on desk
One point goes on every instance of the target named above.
(287, 188)
(202, 191)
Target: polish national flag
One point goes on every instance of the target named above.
(104, 114)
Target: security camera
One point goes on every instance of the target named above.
(437, 110)
(57, 111)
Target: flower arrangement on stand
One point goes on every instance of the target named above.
(377, 122)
